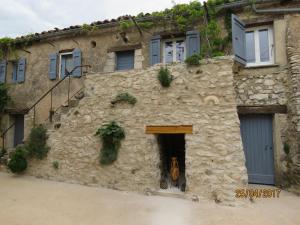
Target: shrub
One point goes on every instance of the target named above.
(111, 135)
(55, 164)
(193, 60)
(164, 76)
(2, 152)
(36, 145)
(18, 162)
(124, 97)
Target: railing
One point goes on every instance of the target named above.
(51, 111)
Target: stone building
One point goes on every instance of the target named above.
(227, 120)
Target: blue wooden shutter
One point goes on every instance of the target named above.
(192, 43)
(155, 50)
(21, 70)
(77, 62)
(238, 39)
(125, 60)
(53, 66)
(2, 71)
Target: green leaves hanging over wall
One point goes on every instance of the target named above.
(111, 135)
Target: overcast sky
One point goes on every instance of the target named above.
(19, 17)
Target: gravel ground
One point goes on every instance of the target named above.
(29, 201)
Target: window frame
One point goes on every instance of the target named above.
(173, 40)
(60, 57)
(14, 69)
(256, 30)
(116, 59)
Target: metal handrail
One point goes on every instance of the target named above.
(4, 133)
(68, 75)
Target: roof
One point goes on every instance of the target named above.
(145, 17)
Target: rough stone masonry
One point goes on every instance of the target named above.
(201, 96)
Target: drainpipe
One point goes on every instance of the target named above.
(275, 11)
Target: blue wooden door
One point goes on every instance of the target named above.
(257, 137)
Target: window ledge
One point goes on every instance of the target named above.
(261, 66)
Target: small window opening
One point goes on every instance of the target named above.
(93, 44)
(172, 161)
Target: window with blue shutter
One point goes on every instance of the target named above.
(14, 71)
(53, 66)
(77, 62)
(192, 43)
(21, 70)
(66, 63)
(125, 60)
(238, 39)
(155, 50)
(2, 71)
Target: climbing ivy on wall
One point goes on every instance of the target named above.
(10, 45)
(4, 97)
(181, 16)
(111, 135)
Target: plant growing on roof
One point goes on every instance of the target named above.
(164, 76)
(111, 135)
(124, 97)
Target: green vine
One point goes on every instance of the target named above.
(4, 97)
(111, 135)
(10, 45)
(124, 97)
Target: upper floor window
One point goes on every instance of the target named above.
(65, 60)
(66, 63)
(252, 46)
(14, 77)
(174, 51)
(259, 46)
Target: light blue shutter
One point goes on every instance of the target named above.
(53, 66)
(125, 60)
(77, 62)
(238, 39)
(63, 67)
(192, 43)
(155, 50)
(2, 71)
(21, 70)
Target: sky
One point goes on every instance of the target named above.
(21, 17)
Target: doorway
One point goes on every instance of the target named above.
(257, 137)
(19, 129)
(172, 161)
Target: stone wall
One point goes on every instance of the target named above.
(293, 51)
(199, 96)
(264, 86)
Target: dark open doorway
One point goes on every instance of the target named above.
(19, 129)
(172, 160)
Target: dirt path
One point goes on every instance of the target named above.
(29, 201)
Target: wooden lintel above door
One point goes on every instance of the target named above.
(172, 129)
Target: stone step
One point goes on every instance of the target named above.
(175, 193)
